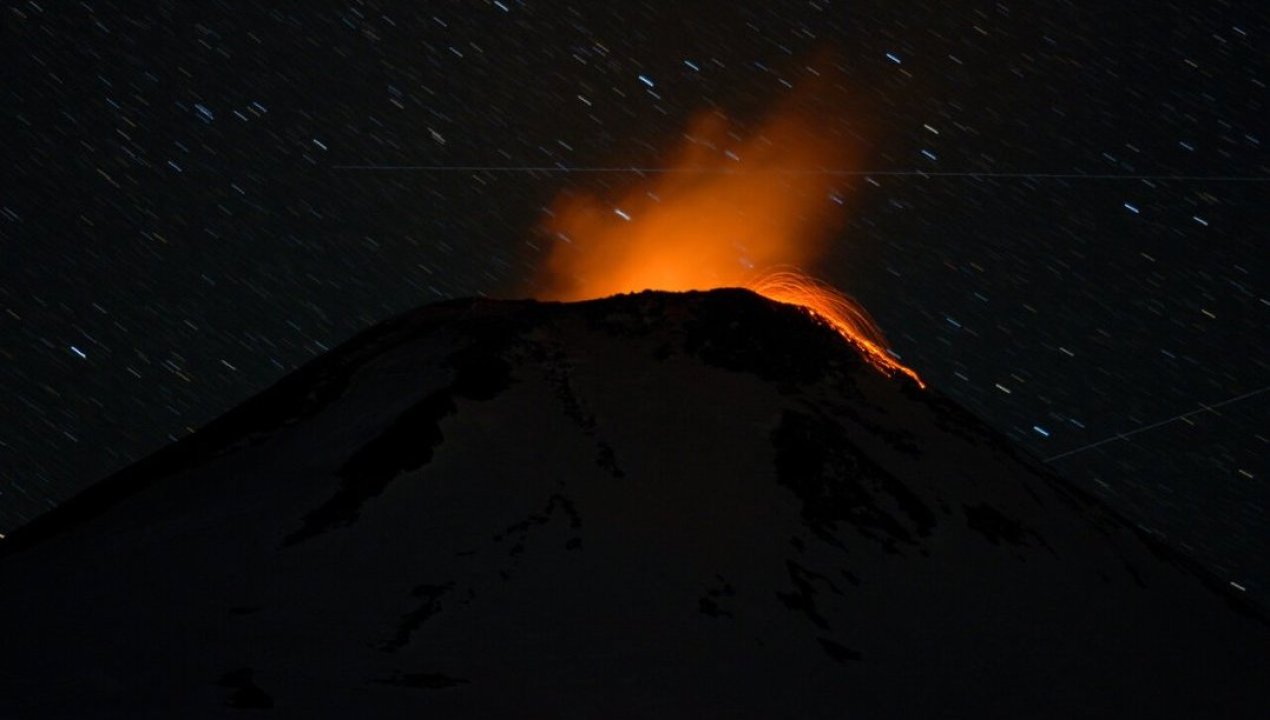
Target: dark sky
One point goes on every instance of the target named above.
(177, 235)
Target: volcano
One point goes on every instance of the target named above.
(701, 504)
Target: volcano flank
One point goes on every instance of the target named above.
(701, 504)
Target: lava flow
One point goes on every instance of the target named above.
(725, 211)
(841, 313)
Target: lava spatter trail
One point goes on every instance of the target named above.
(843, 314)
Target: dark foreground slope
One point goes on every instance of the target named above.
(695, 505)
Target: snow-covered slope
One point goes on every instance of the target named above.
(657, 505)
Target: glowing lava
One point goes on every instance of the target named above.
(724, 210)
(839, 311)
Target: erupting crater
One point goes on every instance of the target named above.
(724, 210)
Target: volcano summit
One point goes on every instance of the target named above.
(658, 505)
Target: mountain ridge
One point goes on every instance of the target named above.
(552, 481)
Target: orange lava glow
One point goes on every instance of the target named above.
(839, 311)
(724, 210)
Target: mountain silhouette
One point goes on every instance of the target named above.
(698, 504)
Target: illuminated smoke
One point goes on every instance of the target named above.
(725, 210)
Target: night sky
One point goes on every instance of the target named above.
(1084, 257)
